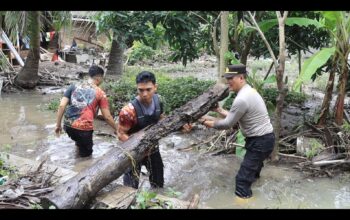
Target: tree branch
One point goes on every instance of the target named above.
(264, 39)
(213, 35)
(200, 17)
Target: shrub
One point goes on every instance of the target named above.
(140, 52)
(178, 91)
(174, 92)
(270, 96)
(53, 104)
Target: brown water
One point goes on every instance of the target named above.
(27, 130)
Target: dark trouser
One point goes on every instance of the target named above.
(154, 165)
(258, 149)
(83, 140)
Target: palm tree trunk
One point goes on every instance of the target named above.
(28, 76)
(115, 62)
(339, 106)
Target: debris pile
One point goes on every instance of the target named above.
(322, 150)
(25, 192)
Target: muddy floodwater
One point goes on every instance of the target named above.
(27, 130)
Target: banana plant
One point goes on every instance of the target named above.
(337, 23)
(311, 65)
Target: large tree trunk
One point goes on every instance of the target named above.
(78, 191)
(339, 105)
(282, 88)
(115, 62)
(328, 95)
(28, 76)
(223, 43)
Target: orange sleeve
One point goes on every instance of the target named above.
(127, 116)
(104, 100)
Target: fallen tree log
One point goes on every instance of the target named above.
(327, 162)
(78, 191)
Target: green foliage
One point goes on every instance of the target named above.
(257, 83)
(230, 58)
(174, 92)
(172, 193)
(119, 93)
(180, 90)
(302, 32)
(270, 96)
(266, 25)
(126, 26)
(187, 32)
(330, 19)
(292, 97)
(240, 151)
(60, 19)
(146, 200)
(6, 147)
(53, 104)
(228, 101)
(315, 149)
(36, 206)
(155, 39)
(3, 65)
(295, 97)
(6, 170)
(140, 52)
(346, 126)
(311, 65)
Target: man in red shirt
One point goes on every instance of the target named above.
(83, 101)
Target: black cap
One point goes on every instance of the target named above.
(233, 70)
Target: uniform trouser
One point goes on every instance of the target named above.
(258, 149)
(154, 166)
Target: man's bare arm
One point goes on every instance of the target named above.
(64, 102)
(109, 119)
